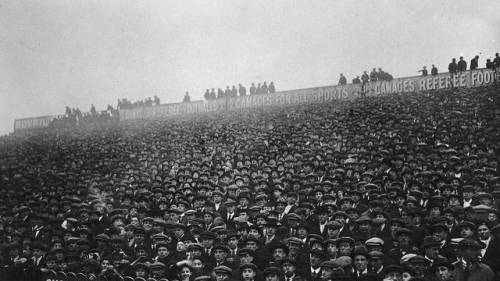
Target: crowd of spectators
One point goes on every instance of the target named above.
(74, 117)
(374, 76)
(126, 104)
(461, 65)
(377, 188)
(241, 91)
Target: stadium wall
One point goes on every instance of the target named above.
(466, 79)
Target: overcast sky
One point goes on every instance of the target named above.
(56, 53)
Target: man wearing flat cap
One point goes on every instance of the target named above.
(164, 254)
(248, 272)
(158, 270)
(272, 273)
(469, 266)
(223, 273)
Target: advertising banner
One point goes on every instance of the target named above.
(33, 123)
(465, 79)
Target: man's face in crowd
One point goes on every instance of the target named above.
(140, 272)
(243, 201)
(207, 243)
(288, 269)
(157, 227)
(221, 276)
(404, 240)
(484, 232)
(217, 198)
(323, 217)
(37, 252)
(197, 265)
(394, 276)
(466, 232)
(248, 274)
(272, 277)
(302, 232)
(232, 243)
(346, 204)
(147, 225)
(376, 263)
(443, 273)
(326, 273)
(162, 251)
(345, 249)
(280, 207)
(252, 245)
(279, 254)
(492, 217)
(331, 249)
(340, 219)
(220, 255)
(178, 232)
(365, 227)
(315, 261)
(360, 262)
(316, 245)
(270, 231)
(454, 201)
(243, 216)
(207, 218)
(260, 221)
(230, 208)
(254, 233)
(51, 264)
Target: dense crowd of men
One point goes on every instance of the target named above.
(396, 187)
(241, 91)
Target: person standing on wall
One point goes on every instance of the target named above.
(474, 63)
(496, 61)
(434, 70)
(234, 91)
(342, 79)
(373, 75)
(242, 90)
(264, 88)
(462, 64)
(253, 89)
(453, 67)
(187, 98)
(364, 78)
(272, 89)
(490, 64)
(213, 96)
(424, 71)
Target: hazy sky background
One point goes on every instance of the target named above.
(56, 53)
